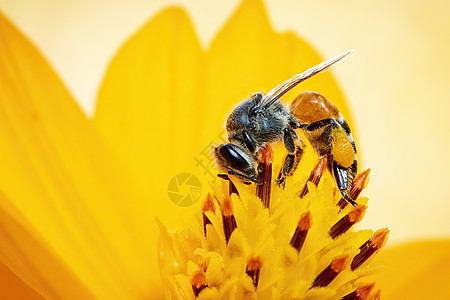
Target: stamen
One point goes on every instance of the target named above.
(370, 247)
(336, 266)
(208, 205)
(254, 265)
(228, 220)
(263, 190)
(376, 296)
(359, 183)
(315, 175)
(344, 224)
(361, 292)
(198, 282)
(299, 237)
(232, 188)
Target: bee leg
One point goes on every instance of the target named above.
(294, 155)
(251, 146)
(288, 165)
(343, 181)
(348, 199)
(288, 139)
(319, 124)
(294, 123)
(249, 141)
(342, 175)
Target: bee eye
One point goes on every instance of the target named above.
(252, 112)
(230, 153)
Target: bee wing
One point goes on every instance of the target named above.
(284, 87)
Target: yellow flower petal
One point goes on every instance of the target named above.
(60, 183)
(31, 263)
(12, 287)
(418, 270)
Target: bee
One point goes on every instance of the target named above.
(263, 119)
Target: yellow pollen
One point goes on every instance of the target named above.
(342, 151)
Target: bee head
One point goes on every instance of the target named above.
(243, 115)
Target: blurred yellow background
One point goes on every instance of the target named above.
(396, 84)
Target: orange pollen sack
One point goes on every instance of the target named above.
(266, 154)
(339, 263)
(357, 213)
(226, 207)
(361, 180)
(380, 237)
(375, 296)
(364, 290)
(198, 279)
(305, 221)
(254, 264)
(208, 204)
